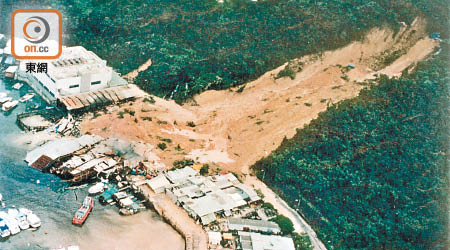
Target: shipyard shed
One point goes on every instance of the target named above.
(256, 241)
(180, 175)
(253, 225)
(158, 184)
(41, 157)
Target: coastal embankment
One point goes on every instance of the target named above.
(194, 235)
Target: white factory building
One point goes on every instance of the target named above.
(76, 71)
(256, 241)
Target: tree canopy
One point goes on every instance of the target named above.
(372, 172)
(198, 45)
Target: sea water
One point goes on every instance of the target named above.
(47, 196)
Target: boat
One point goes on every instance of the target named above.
(97, 188)
(4, 230)
(133, 209)
(5, 99)
(17, 86)
(26, 97)
(83, 212)
(107, 195)
(25, 211)
(3, 94)
(10, 72)
(12, 212)
(23, 221)
(7, 106)
(33, 220)
(11, 223)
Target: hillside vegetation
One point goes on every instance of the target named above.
(371, 172)
(202, 44)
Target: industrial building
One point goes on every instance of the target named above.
(263, 226)
(204, 197)
(76, 71)
(256, 241)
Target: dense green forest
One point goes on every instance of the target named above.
(372, 172)
(202, 44)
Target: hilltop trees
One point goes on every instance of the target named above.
(371, 173)
(200, 45)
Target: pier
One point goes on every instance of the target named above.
(194, 235)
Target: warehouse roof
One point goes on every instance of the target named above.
(254, 223)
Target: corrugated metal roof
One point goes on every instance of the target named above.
(64, 146)
(254, 223)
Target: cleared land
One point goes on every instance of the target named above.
(234, 128)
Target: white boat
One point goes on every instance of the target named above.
(7, 106)
(11, 223)
(26, 97)
(12, 212)
(17, 85)
(25, 211)
(5, 99)
(33, 220)
(4, 230)
(3, 94)
(10, 72)
(22, 220)
(97, 188)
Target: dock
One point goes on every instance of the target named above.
(194, 235)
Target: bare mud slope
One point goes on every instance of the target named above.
(234, 128)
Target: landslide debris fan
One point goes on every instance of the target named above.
(203, 44)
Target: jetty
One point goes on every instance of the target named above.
(194, 235)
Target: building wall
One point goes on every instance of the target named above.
(70, 86)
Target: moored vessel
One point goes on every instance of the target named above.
(83, 212)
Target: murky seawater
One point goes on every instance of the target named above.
(104, 229)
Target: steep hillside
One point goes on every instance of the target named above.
(234, 128)
(203, 44)
(372, 172)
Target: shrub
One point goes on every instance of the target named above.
(162, 146)
(204, 170)
(285, 224)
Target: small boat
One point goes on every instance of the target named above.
(25, 211)
(26, 97)
(83, 212)
(17, 86)
(23, 221)
(11, 223)
(7, 106)
(133, 209)
(4, 230)
(97, 188)
(107, 196)
(10, 72)
(3, 94)
(12, 212)
(5, 99)
(33, 220)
